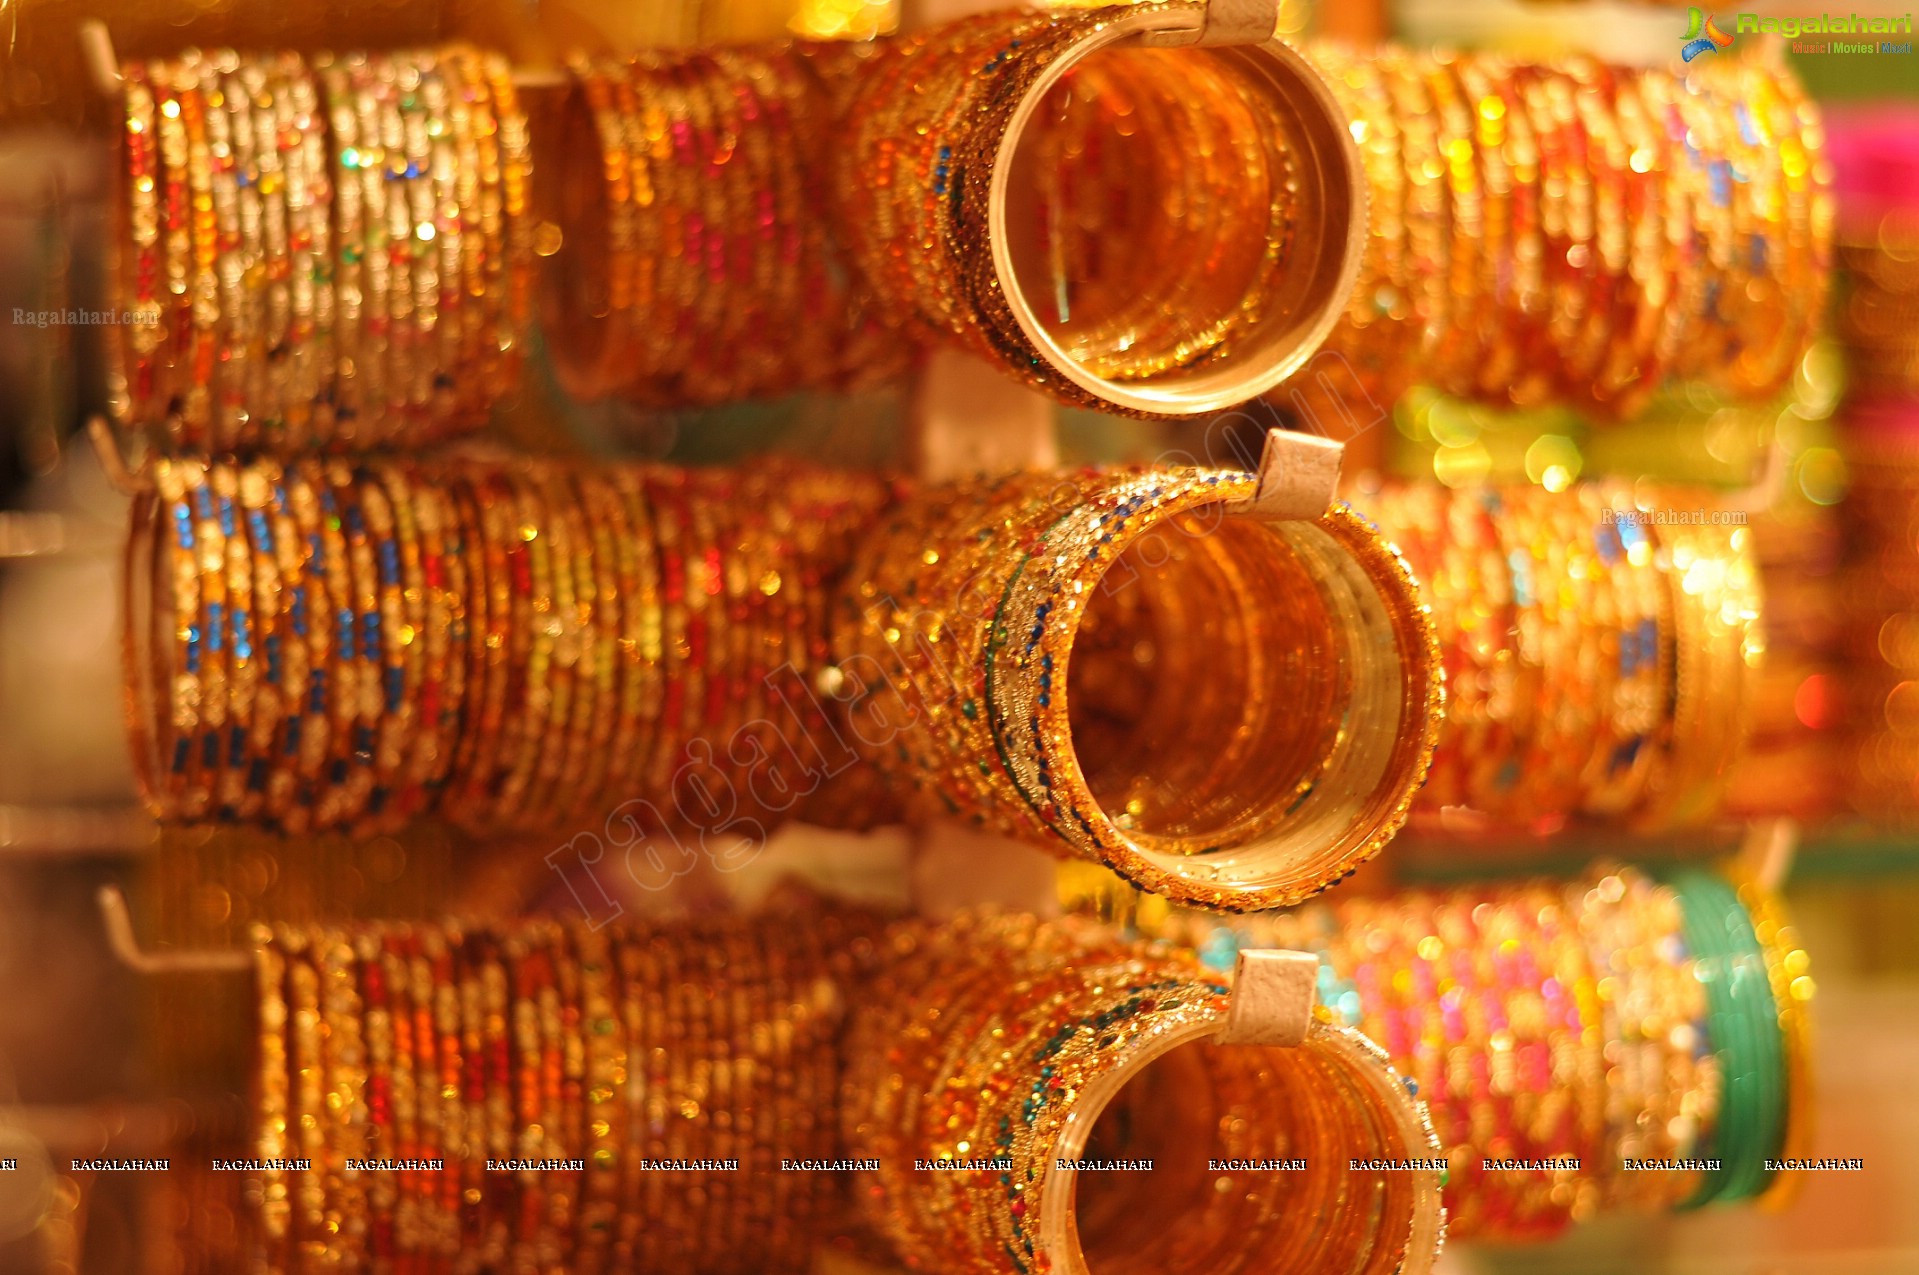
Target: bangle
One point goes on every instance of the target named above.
(1580, 1048)
(1719, 640)
(271, 411)
(1009, 1051)
(362, 642)
(312, 1240)
(272, 1096)
(1600, 661)
(933, 164)
(345, 1104)
(1379, 330)
(197, 551)
(960, 654)
(1788, 975)
(359, 193)
(136, 373)
(1743, 1027)
(174, 360)
(314, 620)
(309, 288)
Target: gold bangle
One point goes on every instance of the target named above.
(978, 1072)
(962, 652)
(934, 166)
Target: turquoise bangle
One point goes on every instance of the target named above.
(1742, 1025)
(1752, 984)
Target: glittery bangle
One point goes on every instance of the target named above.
(196, 518)
(272, 1096)
(1553, 1025)
(313, 611)
(311, 1239)
(1719, 640)
(975, 653)
(936, 168)
(356, 780)
(195, 84)
(1788, 973)
(139, 242)
(1019, 1067)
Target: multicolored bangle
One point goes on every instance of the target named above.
(960, 631)
(315, 293)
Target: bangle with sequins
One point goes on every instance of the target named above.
(944, 150)
(1679, 224)
(958, 628)
(335, 257)
(322, 645)
(1025, 1093)
(1608, 1045)
(1600, 651)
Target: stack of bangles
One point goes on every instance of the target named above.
(1612, 1044)
(1518, 232)
(1235, 711)
(331, 253)
(1039, 1096)
(538, 1096)
(1118, 665)
(559, 1097)
(319, 645)
(970, 182)
(694, 266)
(1600, 650)
(1576, 232)
(321, 254)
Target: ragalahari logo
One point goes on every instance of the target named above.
(1702, 35)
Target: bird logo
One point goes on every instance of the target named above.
(1702, 35)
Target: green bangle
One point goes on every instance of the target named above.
(1742, 1026)
(1753, 985)
(1707, 943)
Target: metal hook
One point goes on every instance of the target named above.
(113, 462)
(103, 65)
(118, 920)
(1766, 487)
(1767, 853)
(1225, 22)
(54, 831)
